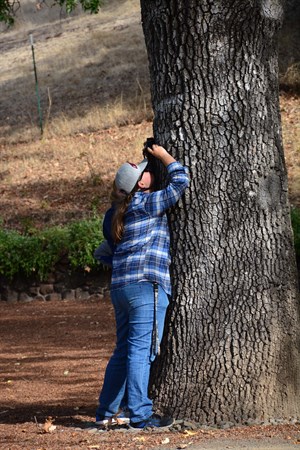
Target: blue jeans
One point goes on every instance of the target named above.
(128, 370)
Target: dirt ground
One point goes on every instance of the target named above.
(52, 361)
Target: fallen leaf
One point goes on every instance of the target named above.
(48, 426)
(189, 433)
(165, 441)
(66, 372)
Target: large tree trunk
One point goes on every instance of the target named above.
(231, 345)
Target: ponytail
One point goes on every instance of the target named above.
(121, 202)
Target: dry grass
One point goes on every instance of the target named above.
(56, 179)
(92, 71)
(93, 76)
(53, 180)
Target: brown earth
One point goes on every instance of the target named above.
(53, 357)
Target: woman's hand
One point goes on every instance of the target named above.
(161, 153)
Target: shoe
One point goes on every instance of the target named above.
(154, 421)
(121, 418)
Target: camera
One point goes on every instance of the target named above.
(151, 159)
(149, 142)
(152, 162)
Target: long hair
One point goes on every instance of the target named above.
(121, 202)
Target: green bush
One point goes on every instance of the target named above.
(38, 252)
(84, 238)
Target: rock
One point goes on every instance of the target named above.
(176, 427)
(54, 297)
(40, 298)
(68, 294)
(96, 290)
(25, 298)
(59, 287)
(102, 290)
(96, 297)
(65, 284)
(35, 290)
(46, 289)
(11, 296)
(82, 295)
(189, 425)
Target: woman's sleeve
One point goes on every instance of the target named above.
(104, 254)
(158, 202)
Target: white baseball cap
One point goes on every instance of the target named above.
(129, 174)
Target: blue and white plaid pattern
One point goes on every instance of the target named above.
(143, 252)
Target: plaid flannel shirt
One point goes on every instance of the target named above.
(143, 253)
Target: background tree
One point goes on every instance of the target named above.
(231, 347)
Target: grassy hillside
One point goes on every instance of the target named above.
(92, 73)
(92, 69)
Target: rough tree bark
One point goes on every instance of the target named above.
(231, 345)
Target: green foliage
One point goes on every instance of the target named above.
(295, 215)
(84, 238)
(87, 5)
(7, 11)
(37, 253)
(8, 7)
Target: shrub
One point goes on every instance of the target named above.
(84, 238)
(38, 252)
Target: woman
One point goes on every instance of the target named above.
(140, 284)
